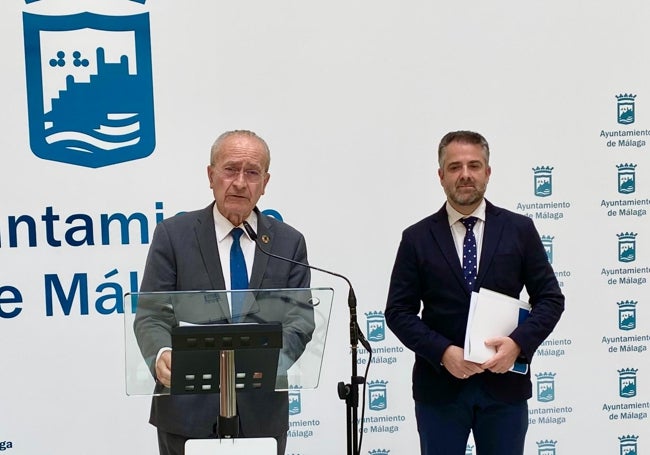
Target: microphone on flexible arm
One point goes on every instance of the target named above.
(347, 392)
(355, 333)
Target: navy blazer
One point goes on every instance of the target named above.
(427, 276)
(184, 256)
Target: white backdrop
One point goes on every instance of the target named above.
(352, 98)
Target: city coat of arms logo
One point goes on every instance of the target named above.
(625, 108)
(89, 87)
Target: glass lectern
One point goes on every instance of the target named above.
(275, 341)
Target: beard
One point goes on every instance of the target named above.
(465, 197)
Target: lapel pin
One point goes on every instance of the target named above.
(265, 239)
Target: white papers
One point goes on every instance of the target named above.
(491, 314)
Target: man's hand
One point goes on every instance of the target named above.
(164, 368)
(504, 359)
(453, 360)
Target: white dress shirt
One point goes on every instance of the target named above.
(458, 229)
(222, 228)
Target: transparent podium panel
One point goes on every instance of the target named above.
(274, 341)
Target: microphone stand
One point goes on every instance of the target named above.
(348, 392)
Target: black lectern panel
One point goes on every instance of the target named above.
(196, 351)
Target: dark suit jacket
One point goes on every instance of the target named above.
(184, 256)
(428, 276)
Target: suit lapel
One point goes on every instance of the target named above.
(491, 237)
(265, 236)
(442, 235)
(207, 240)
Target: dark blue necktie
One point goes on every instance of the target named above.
(238, 275)
(469, 252)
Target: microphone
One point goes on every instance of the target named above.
(355, 333)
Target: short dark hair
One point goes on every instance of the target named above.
(465, 137)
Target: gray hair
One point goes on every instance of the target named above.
(216, 147)
(464, 137)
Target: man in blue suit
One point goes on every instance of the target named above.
(191, 252)
(428, 303)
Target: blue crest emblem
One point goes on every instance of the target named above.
(546, 447)
(469, 449)
(547, 242)
(626, 178)
(377, 395)
(627, 382)
(545, 387)
(543, 181)
(627, 315)
(628, 444)
(626, 246)
(379, 452)
(625, 108)
(89, 88)
(376, 326)
(295, 402)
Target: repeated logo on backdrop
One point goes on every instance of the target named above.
(628, 408)
(376, 326)
(625, 108)
(546, 412)
(626, 270)
(626, 178)
(628, 445)
(545, 387)
(377, 395)
(299, 428)
(376, 333)
(627, 315)
(626, 341)
(541, 208)
(633, 207)
(295, 400)
(543, 181)
(627, 382)
(547, 241)
(626, 205)
(70, 59)
(628, 135)
(385, 358)
(546, 447)
(545, 208)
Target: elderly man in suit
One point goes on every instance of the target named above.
(428, 303)
(191, 251)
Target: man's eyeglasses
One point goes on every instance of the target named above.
(232, 173)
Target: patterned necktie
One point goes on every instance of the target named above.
(238, 275)
(469, 252)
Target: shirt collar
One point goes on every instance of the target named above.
(454, 215)
(223, 226)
